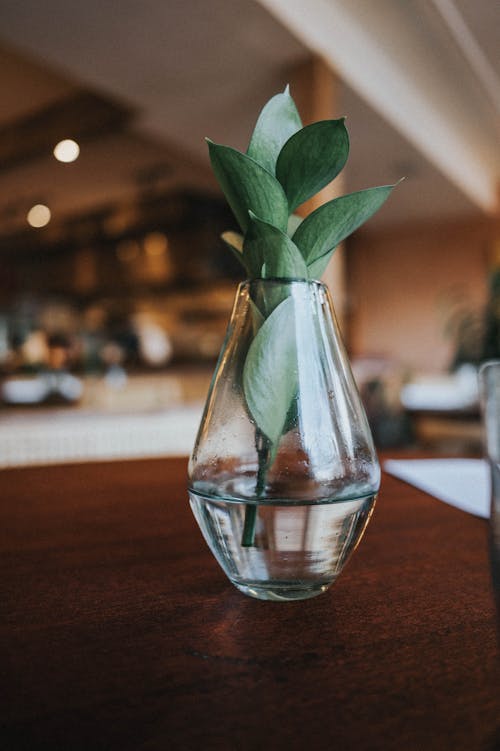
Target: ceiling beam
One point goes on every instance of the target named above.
(388, 55)
(471, 50)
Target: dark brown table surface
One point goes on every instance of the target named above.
(119, 630)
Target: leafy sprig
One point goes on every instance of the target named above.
(285, 165)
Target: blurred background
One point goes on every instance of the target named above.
(115, 289)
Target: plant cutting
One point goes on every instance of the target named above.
(283, 365)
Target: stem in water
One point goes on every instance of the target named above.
(262, 446)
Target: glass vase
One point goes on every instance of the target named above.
(283, 475)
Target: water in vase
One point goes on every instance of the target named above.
(297, 549)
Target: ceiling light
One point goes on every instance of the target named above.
(38, 215)
(67, 150)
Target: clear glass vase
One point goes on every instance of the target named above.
(283, 476)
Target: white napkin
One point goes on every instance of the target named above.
(463, 483)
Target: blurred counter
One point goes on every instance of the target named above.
(140, 416)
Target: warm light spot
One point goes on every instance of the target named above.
(67, 150)
(38, 215)
(155, 244)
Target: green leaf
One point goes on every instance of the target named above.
(278, 121)
(326, 227)
(294, 222)
(316, 269)
(234, 241)
(271, 252)
(270, 371)
(247, 185)
(311, 159)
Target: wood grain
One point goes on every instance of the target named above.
(119, 630)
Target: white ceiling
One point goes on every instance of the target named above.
(196, 68)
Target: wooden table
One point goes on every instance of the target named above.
(119, 630)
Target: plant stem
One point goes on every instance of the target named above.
(262, 446)
(248, 537)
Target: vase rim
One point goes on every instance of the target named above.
(281, 281)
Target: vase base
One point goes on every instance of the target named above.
(281, 591)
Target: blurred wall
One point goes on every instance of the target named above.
(409, 288)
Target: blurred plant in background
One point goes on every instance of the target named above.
(477, 331)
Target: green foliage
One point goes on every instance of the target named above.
(311, 159)
(277, 122)
(294, 222)
(325, 228)
(270, 371)
(269, 249)
(248, 186)
(285, 165)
